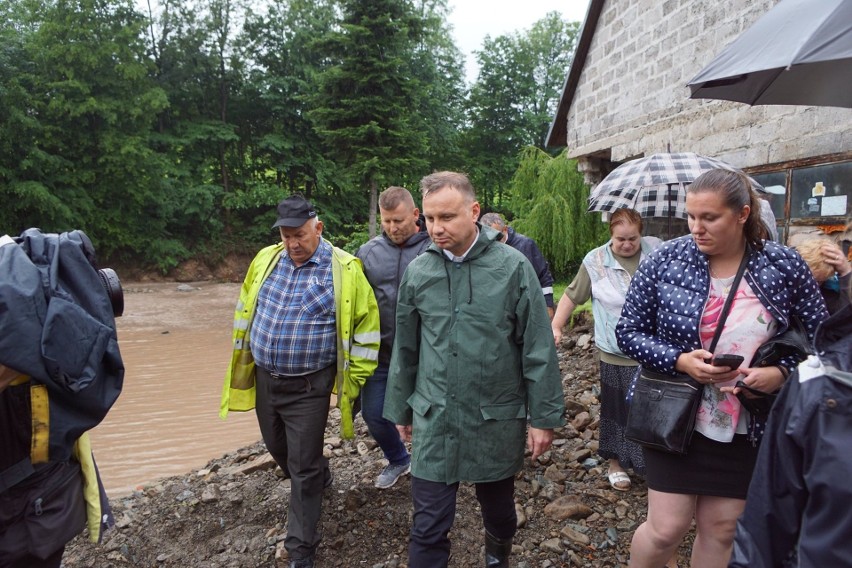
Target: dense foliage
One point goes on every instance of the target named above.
(549, 198)
(170, 129)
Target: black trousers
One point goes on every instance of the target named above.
(435, 509)
(292, 413)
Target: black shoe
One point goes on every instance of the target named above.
(329, 479)
(306, 562)
(497, 551)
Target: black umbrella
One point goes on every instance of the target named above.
(798, 53)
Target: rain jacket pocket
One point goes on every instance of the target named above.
(503, 429)
(503, 411)
(74, 365)
(419, 404)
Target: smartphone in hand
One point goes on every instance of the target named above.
(727, 360)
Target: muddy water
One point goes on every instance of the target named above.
(175, 346)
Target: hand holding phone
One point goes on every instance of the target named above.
(728, 360)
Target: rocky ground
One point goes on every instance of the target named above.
(231, 513)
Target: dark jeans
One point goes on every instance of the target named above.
(382, 430)
(292, 414)
(435, 509)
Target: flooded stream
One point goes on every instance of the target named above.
(175, 346)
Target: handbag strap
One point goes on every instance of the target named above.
(729, 300)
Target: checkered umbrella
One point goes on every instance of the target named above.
(655, 186)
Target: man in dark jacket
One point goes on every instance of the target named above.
(527, 246)
(385, 259)
(473, 359)
(798, 501)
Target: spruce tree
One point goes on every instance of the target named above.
(364, 105)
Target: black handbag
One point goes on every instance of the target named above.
(792, 343)
(760, 404)
(662, 411)
(663, 408)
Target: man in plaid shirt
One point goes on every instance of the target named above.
(306, 325)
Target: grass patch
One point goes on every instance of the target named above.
(559, 290)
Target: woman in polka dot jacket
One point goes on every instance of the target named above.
(667, 323)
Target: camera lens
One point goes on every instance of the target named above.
(112, 285)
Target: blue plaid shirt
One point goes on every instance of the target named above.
(294, 330)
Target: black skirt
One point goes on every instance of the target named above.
(717, 469)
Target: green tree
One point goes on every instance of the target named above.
(550, 200)
(287, 152)
(514, 99)
(363, 105)
(203, 137)
(438, 69)
(90, 103)
(26, 201)
(496, 127)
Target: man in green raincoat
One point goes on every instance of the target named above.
(473, 360)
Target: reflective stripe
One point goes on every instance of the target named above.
(91, 488)
(548, 290)
(40, 408)
(240, 323)
(365, 353)
(238, 344)
(346, 343)
(240, 306)
(370, 337)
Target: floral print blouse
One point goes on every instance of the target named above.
(749, 325)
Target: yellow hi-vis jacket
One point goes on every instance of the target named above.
(357, 319)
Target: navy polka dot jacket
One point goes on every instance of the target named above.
(666, 298)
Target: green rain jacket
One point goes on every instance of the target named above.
(357, 318)
(473, 359)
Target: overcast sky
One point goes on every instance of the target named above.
(472, 20)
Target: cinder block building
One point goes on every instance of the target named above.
(626, 96)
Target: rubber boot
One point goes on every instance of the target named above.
(497, 551)
(307, 562)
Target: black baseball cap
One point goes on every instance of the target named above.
(294, 212)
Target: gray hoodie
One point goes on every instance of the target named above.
(384, 265)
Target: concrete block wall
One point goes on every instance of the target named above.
(632, 97)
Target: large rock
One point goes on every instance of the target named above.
(567, 507)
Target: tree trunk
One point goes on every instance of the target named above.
(374, 198)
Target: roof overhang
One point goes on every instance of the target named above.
(557, 135)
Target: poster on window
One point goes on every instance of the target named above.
(833, 205)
